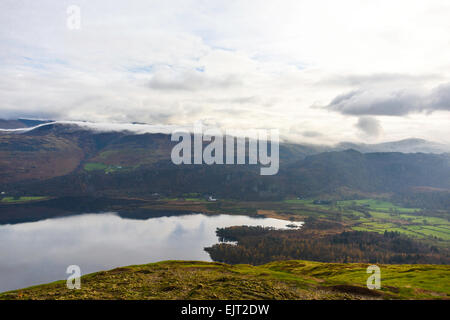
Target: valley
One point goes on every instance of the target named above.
(384, 208)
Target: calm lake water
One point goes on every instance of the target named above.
(39, 252)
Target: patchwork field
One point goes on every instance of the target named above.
(379, 216)
(21, 199)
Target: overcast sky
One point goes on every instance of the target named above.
(320, 71)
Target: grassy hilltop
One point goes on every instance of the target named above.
(277, 280)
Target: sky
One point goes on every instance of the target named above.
(319, 71)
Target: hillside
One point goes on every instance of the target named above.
(411, 145)
(276, 280)
(64, 160)
(20, 123)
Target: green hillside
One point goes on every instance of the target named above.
(276, 280)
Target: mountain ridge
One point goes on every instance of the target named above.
(65, 159)
(407, 145)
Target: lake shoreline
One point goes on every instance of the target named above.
(36, 252)
(13, 213)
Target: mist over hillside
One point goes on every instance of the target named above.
(410, 145)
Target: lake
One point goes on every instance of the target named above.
(38, 252)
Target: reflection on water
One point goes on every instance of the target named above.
(39, 252)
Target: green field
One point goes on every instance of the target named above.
(275, 280)
(97, 166)
(299, 201)
(385, 216)
(375, 204)
(195, 199)
(21, 199)
(92, 166)
(378, 215)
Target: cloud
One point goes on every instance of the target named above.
(383, 100)
(440, 97)
(379, 78)
(311, 134)
(242, 64)
(369, 126)
(192, 81)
